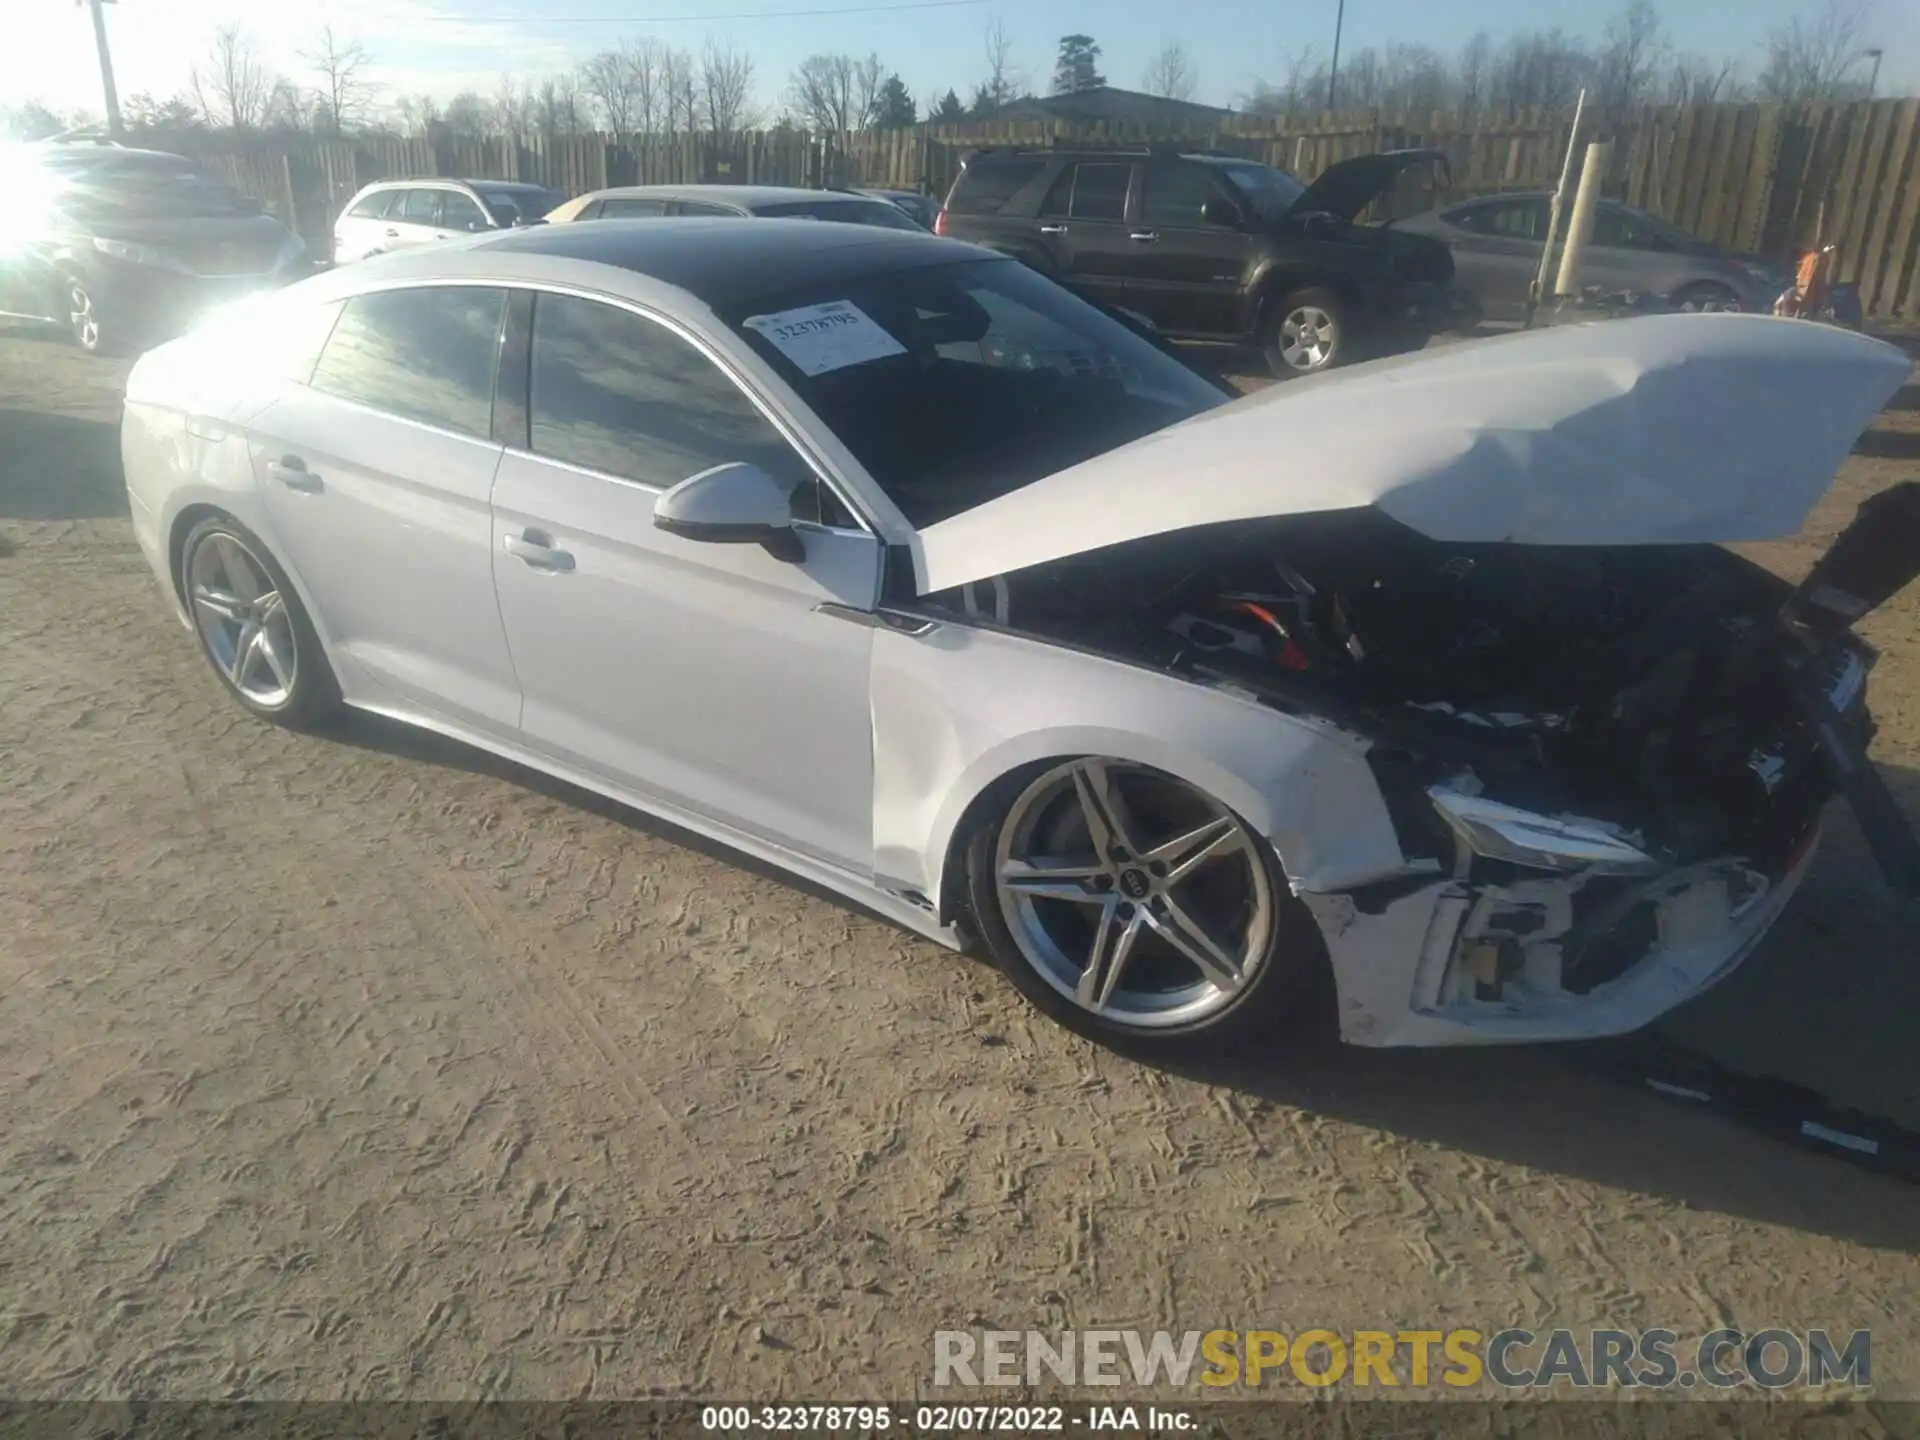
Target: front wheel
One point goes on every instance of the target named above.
(1307, 332)
(1137, 910)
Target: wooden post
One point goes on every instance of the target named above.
(1580, 228)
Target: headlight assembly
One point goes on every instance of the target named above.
(135, 253)
(1539, 842)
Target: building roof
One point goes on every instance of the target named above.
(1106, 102)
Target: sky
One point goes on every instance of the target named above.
(443, 46)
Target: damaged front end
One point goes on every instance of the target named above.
(1606, 765)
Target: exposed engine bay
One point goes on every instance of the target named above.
(1688, 712)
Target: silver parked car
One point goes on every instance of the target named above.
(400, 214)
(1497, 241)
(887, 560)
(770, 202)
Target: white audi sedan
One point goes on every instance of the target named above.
(1422, 687)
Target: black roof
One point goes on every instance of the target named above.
(730, 261)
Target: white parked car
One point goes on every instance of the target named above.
(887, 560)
(393, 215)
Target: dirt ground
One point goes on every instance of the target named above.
(370, 1067)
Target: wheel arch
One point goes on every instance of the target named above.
(198, 509)
(1282, 279)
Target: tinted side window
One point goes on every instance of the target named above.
(427, 354)
(630, 209)
(1625, 230)
(1174, 192)
(458, 212)
(1100, 192)
(1516, 220)
(421, 207)
(374, 206)
(616, 393)
(701, 207)
(1059, 194)
(985, 186)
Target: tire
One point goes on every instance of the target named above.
(1290, 321)
(235, 590)
(1706, 296)
(85, 326)
(1158, 1001)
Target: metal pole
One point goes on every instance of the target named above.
(107, 88)
(1333, 70)
(1554, 211)
(1580, 227)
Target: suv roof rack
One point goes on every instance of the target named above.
(1061, 144)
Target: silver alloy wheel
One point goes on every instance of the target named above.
(81, 320)
(1131, 893)
(1307, 337)
(242, 620)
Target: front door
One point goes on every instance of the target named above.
(1496, 252)
(376, 476)
(704, 675)
(1182, 273)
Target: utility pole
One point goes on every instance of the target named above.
(1333, 70)
(1873, 76)
(107, 88)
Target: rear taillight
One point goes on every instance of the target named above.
(940, 222)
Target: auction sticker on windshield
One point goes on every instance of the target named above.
(819, 338)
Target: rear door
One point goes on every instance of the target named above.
(1083, 223)
(460, 214)
(376, 475)
(1496, 248)
(1182, 273)
(415, 220)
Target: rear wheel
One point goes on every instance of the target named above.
(84, 323)
(1307, 332)
(1138, 910)
(252, 627)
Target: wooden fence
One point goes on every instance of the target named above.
(1756, 178)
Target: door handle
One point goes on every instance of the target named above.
(392, 234)
(1053, 229)
(291, 471)
(536, 548)
(1144, 236)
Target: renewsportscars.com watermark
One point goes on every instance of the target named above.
(1512, 1359)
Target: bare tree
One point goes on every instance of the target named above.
(1696, 80)
(726, 87)
(513, 111)
(1003, 82)
(1631, 51)
(625, 84)
(1170, 73)
(419, 114)
(233, 87)
(1297, 94)
(467, 117)
(559, 104)
(1810, 57)
(679, 92)
(339, 69)
(836, 94)
(1473, 74)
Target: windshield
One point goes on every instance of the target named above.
(956, 384)
(528, 204)
(1271, 192)
(848, 212)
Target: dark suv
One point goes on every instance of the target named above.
(1212, 247)
(121, 247)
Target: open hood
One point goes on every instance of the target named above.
(1347, 187)
(1664, 429)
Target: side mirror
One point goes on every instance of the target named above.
(731, 505)
(1220, 212)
